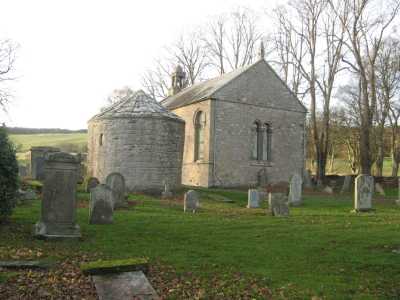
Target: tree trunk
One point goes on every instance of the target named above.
(365, 152)
(395, 165)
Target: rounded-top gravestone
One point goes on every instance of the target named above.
(116, 182)
(101, 205)
(364, 190)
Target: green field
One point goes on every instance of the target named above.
(25, 141)
(228, 252)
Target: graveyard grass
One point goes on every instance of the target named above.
(226, 251)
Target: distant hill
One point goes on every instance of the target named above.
(23, 130)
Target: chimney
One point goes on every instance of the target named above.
(261, 51)
(178, 81)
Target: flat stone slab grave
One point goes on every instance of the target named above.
(24, 264)
(127, 285)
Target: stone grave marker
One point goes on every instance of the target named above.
(116, 182)
(253, 199)
(190, 201)
(295, 190)
(379, 189)
(101, 205)
(92, 182)
(346, 184)
(37, 157)
(166, 194)
(58, 213)
(328, 190)
(278, 204)
(363, 192)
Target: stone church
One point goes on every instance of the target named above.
(241, 128)
(238, 130)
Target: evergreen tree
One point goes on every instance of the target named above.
(8, 175)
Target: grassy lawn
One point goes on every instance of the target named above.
(321, 250)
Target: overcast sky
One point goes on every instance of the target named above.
(73, 54)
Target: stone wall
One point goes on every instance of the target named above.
(196, 173)
(147, 151)
(233, 144)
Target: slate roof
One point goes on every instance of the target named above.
(137, 105)
(208, 89)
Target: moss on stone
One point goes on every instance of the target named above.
(115, 266)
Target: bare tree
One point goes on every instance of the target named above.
(313, 38)
(231, 40)
(365, 26)
(157, 81)
(7, 63)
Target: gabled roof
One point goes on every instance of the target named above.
(210, 89)
(137, 105)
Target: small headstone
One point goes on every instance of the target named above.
(262, 179)
(328, 190)
(116, 182)
(190, 201)
(166, 194)
(101, 205)
(295, 190)
(307, 179)
(278, 204)
(253, 199)
(58, 217)
(346, 185)
(92, 182)
(363, 192)
(379, 189)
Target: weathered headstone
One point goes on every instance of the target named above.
(92, 182)
(166, 193)
(278, 204)
(127, 285)
(190, 201)
(37, 156)
(58, 216)
(295, 190)
(307, 179)
(101, 205)
(328, 190)
(363, 192)
(253, 199)
(346, 184)
(262, 179)
(379, 189)
(116, 182)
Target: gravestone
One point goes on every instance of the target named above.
(101, 205)
(253, 199)
(307, 179)
(58, 213)
(37, 156)
(346, 184)
(328, 190)
(262, 179)
(92, 182)
(116, 182)
(295, 190)
(379, 189)
(363, 192)
(190, 201)
(278, 204)
(166, 193)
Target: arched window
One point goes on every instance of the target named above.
(199, 125)
(267, 142)
(101, 139)
(257, 141)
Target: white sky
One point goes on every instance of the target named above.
(74, 53)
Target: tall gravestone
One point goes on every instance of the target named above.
(116, 182)
(101, 205)
(253, 200)
(58, 214)
(190, 201)
(37, 156)
(295, 190)
(363, 192)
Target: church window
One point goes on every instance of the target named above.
(257, 143)
(101, 140)
(199, 125)
(267, 146)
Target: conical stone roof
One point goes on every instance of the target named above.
(137, 105)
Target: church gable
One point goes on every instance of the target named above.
(260, 85)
